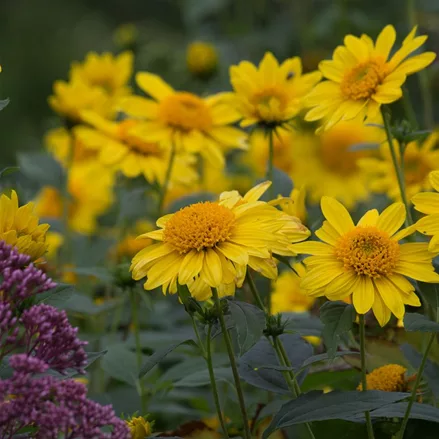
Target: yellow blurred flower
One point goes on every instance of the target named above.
(287, 295)
(388, 378)
(313, 340)
(362, 76)
(419, 161)
(295, 204)
(191, 123)
(201, 59)
(139, 427)
(126, 35)
(19, 227)
(86, 205)
(124, 146)
(54, 241)
(273, 93)
(130, 245)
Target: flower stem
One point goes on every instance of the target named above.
(255, 293)
(415, 386)
(136, 328)
(398, 171)
(270, 165)
(228, 342)
(167, 180)
(362, 325)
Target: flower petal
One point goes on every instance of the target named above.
(392, 218)
(337, 215)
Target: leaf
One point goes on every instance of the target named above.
(201, 378)
(418, 322)
(337, 318)
(100, 273)
(8, 170)
(121, 363)
(303, 324)
(42, 168)
(4, 103)
(263, 354)
(323, 357)
(158, 356)
(364, 146)
(91, 358)
(249, 323)
(425, 412)
(431, 371)
(56, 296)
(430, 292)
(315, 406)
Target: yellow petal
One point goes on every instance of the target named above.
(233, 252)
(212, 269)
(426, 202)
(256, 192)
(313, 248)
(337, 215)
(370, 218)
(391, 296)
(434, 179)
(385, 41)
(154, 85)
(382, 313)
(392, 218)
(417, 271)
(364, 295)
(429, 225)
(191, 266)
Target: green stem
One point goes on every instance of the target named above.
(255, 293)
(416, 386)
(167, 180)
(228, 342)
(362, 325)
(408, 108)
(399, 174)
(270, 165)
(135, 323)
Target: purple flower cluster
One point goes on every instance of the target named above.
(55, 407)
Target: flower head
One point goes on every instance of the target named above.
(201, 59)
(388, 378)
(366, 261)
(419, 160)
(273, 93)
(362, 76)
(185, 120)
(139, 427)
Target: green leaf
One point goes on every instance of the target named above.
(41, 168)
(315, 406)
(100, 273)
(430, 292)
(121, 363)
(8, 170)
(418, 322)
(3, 103)
(56, 296)
(303, 324)
(201, 378)
(323, 357)
(158, 356)
(425, 412)
(337, 318)
(249, 323)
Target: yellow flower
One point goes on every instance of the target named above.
(54, 241)
(139, 427)
(210, 244)
(201, 59)
(19, 227)
(388, 378)
(428, 203)
(419, 161)
(194, 124)
(361, 76)
(366, 261)
(124, 146)
(126, 35)
(313, 340)
(108, 72)
(86, 204)
(287, 295)
(272, 93)
(295, 204)
(130, 245)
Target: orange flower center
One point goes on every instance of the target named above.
(185, 111)
(362, 81)
(199, 226)
(368, 251)
(134, 141)
(416, 169)
(389, 378)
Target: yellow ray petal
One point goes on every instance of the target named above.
(337, 215)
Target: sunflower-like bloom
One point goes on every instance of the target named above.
(428, 203)
(124, 146)
(201, 59)
(85, 205)
(419, 161)
(287, 294)
(362, 76)
(139, 427)
(185, 120)
(273, 93)
(366, 261)
(19, 227)
(388, 378)
(210, 244)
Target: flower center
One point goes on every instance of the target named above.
(362, 80)
(199, 226)
(416, 169)
(268, 99)
(389, 378)
(185, 111)
(368, 251)
(135, 142)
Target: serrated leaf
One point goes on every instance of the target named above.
(41, 168)
(249, 323)
(158, 356)
(418, 322)
(316, 406)
(337, 318)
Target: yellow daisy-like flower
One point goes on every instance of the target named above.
(86, 205)
(362, 76)
(139, 427)
(19, 227)
(273, 93)
(428, 203)
(366, 261)
(295, 204)
(211, 243)
(388, 378)
(185, 120)
(419, 161)
(107, 71)
(124, 146)
(287, 295)
(201, 59)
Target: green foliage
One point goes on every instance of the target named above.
(41, 168)
(419, 322)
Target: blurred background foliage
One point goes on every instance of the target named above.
(39, 40)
